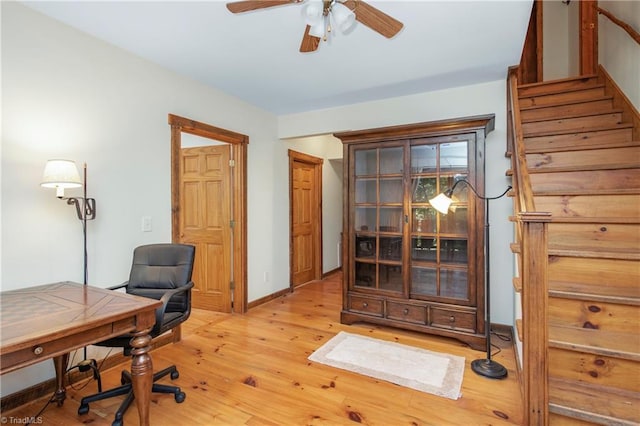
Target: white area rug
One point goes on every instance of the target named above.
(436, 373)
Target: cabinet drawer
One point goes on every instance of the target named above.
(406, 312)
(366, 305)
(455, 320)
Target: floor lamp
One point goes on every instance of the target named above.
(61, 175)
(484, 367)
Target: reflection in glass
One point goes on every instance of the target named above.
(423, 189)
(391, 190)
(366, 191)
(453, 251)
(365, 274)
(423, 158)
(391, 160)
(366, 162)
(365, 219)
(391, 248)
(461, 193)
(423, 249)
(453, 283)
(390, 219)
(453, 156)
(423, 281)
(455, 222)
(390, 277)
(423, 220)
(365, 246)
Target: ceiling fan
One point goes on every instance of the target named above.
(321, 14)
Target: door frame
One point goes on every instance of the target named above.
(238, 144)
(316, 163)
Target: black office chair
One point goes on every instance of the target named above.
(162, 272)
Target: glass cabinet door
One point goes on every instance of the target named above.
(378, 203)
(439, 243)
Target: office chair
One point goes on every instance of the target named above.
(162, 272)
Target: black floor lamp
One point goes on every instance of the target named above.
(484, 367)
(61, 175)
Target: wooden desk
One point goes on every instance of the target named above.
(49, 321)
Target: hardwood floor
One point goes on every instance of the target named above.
(252, 369)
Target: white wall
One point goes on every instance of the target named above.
(555, 40)
(329, 149)
(617, 51)
(68, 95)
(486, 98)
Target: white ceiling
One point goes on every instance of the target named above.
(255, 56)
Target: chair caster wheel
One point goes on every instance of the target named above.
(180, 396)
(175, 375)
(83, 409)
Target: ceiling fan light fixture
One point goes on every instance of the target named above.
(343, 16)
(313, 12)
(317, 29)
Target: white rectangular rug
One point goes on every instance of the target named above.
(436, 373)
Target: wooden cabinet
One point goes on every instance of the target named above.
(405, 264)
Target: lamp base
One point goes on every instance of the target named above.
(489, 368)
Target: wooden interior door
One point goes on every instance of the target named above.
(206, 222)
(305, 174)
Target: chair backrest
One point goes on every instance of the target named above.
(159, 267)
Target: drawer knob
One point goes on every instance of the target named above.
(38, 350)
(365, 304)
(406, 311)
(452, 318)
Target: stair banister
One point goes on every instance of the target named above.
(532, 239)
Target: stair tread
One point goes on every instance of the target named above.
(577, 192)
(577, 147)
(612, 344)
(600, 128)
(573, 115)
(559, 90)
(567, 102)
(602, 220)
(597, 403)
(593, 252)
(598, 292)
(559, 81)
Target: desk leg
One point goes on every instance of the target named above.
(60, 364)
(142, 374)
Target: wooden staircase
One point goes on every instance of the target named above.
(579, 161)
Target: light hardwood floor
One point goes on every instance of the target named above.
(252, 369)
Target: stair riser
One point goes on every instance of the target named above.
(594, 369)
(579, 124)
(594, 236)
(620, 277)
(560, 98)
(557, 86)
(577, 141)
(603, 316)
(622, 206)
(622, 180)
(551, 112)
(594, 159)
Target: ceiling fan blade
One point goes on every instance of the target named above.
(249, 5)
(374, 18)
(309, 42)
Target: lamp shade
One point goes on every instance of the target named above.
(313, 12)
(343, 16)
(318, 29)
(60, 174)
(441, 203)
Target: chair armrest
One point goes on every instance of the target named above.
(119, 286)
(165, 300)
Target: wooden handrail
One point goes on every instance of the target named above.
(522, 184)
(628, 28)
